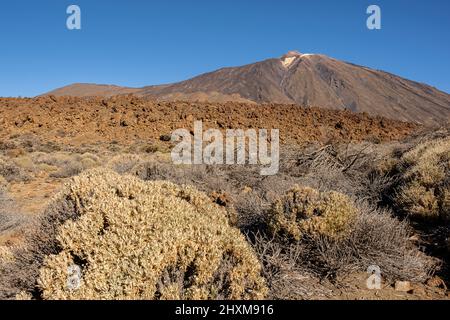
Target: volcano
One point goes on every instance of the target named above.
(309, 80)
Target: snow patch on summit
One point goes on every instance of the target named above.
(288, 61)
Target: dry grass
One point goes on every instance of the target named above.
(341, 226)
(425, 188)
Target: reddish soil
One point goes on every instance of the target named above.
(127, 119)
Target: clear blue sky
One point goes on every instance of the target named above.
(137, 42)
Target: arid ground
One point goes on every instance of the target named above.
(81, 177)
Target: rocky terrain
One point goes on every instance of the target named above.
(86, 182)
(126, 119)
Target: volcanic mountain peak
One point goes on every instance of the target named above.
(288, 61)
(303, 79)
(292, 53)
(289, 58)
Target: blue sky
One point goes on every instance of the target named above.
(137, 42)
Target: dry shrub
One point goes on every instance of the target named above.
(8, 220)
(222, 180)
(124, 163)
(47, 168)
(285, 270)
(208, 179)
(150, 148)
(346, 168)
(66, 164)
(88, 160)
(75, 165)
(25, 162)
(425, 188)
(387, 165)
(57, 159)
(10, 217)
(88, 163)
(23, 296)
(3, 185)
(69, 169)
(11, 222)
(250, 208)
(153, 171)
(7, 145)
(137, 240)
(6, 255)
(305, 211)
(224, 200)
(20, 275)
(88, 155)
(376, 238)
(331, 236)
(11, 172)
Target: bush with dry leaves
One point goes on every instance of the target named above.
(142, 240)
(425, 188)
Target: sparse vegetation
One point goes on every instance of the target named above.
(425, 188)
(140, 227)
(5, 255)
(151, 240)
(70, 169)
(12, 172)
(3, 185)
(306, 211)
(305, 238)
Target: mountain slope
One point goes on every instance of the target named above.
(304, 79)
(89, 90)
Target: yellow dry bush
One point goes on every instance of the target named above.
(307, 211)
(11, 172)
(88, 163)
(54, 159)
(5, 254)
(47, 168)
(425, 191)
(419, 200)
(386, 165)
(3, 185)
(124, 162)
(147, 240)
(90, 156)
(87, 160)
(224, 200)
(24, 162)
(24, 296)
